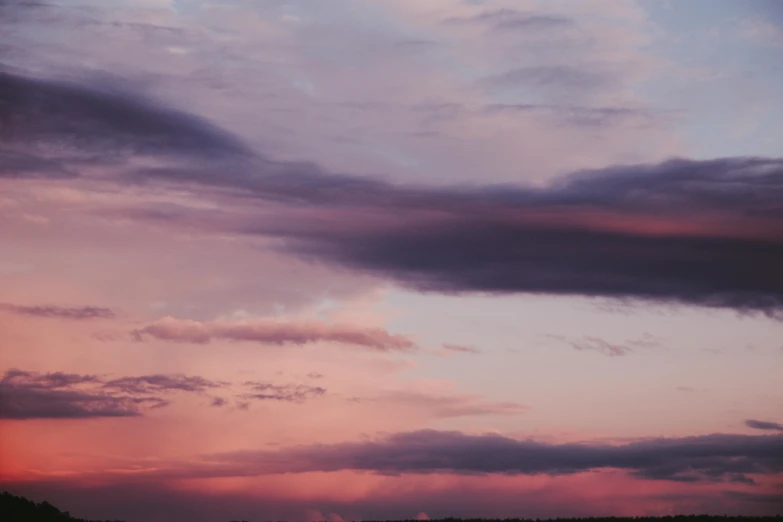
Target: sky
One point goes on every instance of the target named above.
(391, 259)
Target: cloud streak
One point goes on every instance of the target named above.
(718, 457)
(445, 406)
(162, 383)
(298, 393)
(608, 348)
(274, 332)
(460, 348)
(60, 312)
(31, 395)
(763, 425)
(511, 19)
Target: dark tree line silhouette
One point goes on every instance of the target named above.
(667, 518)
(20, 509)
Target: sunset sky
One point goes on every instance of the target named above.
(385, 259)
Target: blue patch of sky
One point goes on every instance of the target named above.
(728, 84)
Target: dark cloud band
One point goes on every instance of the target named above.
(697, 232)
(764, 425)
(717, 457)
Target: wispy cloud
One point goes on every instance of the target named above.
(162, 383)
(511, 19)
(60, 312)
(446, 405)
(608, 348)
(58, 395)
(686, 389)
(298, 393)
(460, 348)
(274, 332)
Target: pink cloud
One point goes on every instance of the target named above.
(460, 349)
(274, 332)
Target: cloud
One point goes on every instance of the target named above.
(550, 76)
(60, 312)
(711, 458)
(218, 402)
(14, 164)
(28, 395)
(698, 232)
(447, 405)
(579, 115)
(704, 233)
(274, 332)
(460, 349)
(761, 31)
(602, 346)
(608, 348)
(162, 383)
(513, 19)
(90, 124)
(763, 425)
(286, 393)
(58, 395)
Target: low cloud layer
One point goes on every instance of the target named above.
(274, 332)
(58, 395)
(729, 458)
(401, 499)
(60, 312)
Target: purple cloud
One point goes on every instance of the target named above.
(460, 348)
(274, 332)
(763, 425)
(61, 312)
(58, 395)
(511, 19)
(94, 125)
(298, 393)
(706, 233)
(722, 458)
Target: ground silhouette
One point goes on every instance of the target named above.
(20, 509)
